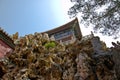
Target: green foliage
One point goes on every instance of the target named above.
(50, 44)
(103, 14)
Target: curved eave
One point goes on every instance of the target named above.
(63, 27)
(6, 39)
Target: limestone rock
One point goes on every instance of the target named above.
(37, 57)
(116, 57)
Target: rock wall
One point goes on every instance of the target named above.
(116, 57)
(38, 57)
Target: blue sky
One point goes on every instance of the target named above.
(29, 16)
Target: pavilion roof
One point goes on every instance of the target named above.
(6, 38)
(63, 27)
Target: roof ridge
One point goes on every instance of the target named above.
(76, 19)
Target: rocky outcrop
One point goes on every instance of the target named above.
(36, 57)
(116, 57)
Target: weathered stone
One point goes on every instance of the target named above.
(33, 60)
(116, 55)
